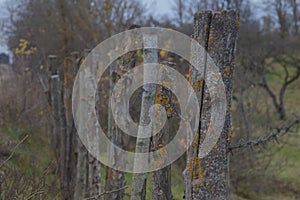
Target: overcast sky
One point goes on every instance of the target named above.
(3, 47)
(160, 6)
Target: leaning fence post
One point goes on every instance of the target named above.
(217, 33)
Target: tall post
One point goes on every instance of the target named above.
(93, 165)
(70, 153)
(114, 179)
(161, 179)
(59, 122)
(143, 144)
(208, 178)
(75, 152)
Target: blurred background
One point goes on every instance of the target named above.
(266, 85)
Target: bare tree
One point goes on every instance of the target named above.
(180, 8)
(68, 25)
(273, 46)
(295, 7)
(185, 10)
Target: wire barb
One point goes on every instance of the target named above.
(280, 131)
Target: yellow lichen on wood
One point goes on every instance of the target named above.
(163, 100)
(170, 59)
(190, 75)
(198, 84)
(158, 95)
(195, 172)
(229, 136)
(227, 71)
(195, 141)
(169, 111)
(163, 53)
(210, 39)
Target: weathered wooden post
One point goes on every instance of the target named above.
(93, 177)
(78, 170)
(115, 180)
(72, 144)
(58, 121)
(208, 178)
(161, 179)
(143, 144)
(65, 140)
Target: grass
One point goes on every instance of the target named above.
(287, 179)
(177, 182)
(32, 162)
(290, 173)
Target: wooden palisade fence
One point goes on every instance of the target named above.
(205, 178)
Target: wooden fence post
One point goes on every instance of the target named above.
(115, 180)
(161, 179)
(143, 144)
(70, 152)
(208, 178)
(58, 127)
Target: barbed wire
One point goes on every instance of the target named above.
(280, 131)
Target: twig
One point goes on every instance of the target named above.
(106, 192)
(34, 194)
(272, 137)
(13, 151)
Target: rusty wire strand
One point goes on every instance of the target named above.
(280, 131)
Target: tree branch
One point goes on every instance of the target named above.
(13, 151)
(106, 192)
